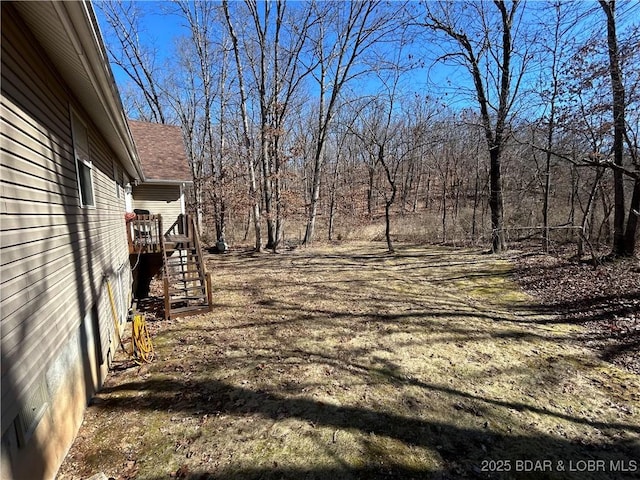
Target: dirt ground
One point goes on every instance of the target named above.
(345, 362)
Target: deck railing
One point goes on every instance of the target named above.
(144, 233)
(187, 284)
(181, 230)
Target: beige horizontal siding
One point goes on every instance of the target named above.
(11, 115)
(30, 245)
(38, 179)
(38, 145)
(51, 261)
(54, 253)
(159, 199)
(33, 220)
(42, 101)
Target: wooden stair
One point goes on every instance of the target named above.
(187, 285)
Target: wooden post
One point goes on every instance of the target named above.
(129, 228)
(167, 299)
(209, 292)
(160, 237)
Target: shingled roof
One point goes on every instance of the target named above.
(161, 151)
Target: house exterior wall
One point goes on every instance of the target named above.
(57, 326)
(166, 200)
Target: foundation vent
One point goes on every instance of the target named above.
(32, 411)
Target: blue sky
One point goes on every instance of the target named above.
(161, 28)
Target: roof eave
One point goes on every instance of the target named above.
(82, 28)
(151, 181)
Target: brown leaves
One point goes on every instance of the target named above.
(605, 299)
(130, 470)
(181, 473)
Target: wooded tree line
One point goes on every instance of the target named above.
(461, 122)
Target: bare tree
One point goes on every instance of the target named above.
(475, 45)
(557, 38)
(199, 61)
(136, 59)
(246, 139)
(587, 111)
(378, 131)
(280, 36)
(267, 106)
(344, 31)
(619, 127)
(623, 241)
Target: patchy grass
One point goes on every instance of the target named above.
(346, 362)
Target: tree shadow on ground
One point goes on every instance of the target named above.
(342, 473)
(612, 325)
(462, 450)
(459, 423)
(603, 298)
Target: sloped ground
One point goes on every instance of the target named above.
(345, 362)
(604, 298)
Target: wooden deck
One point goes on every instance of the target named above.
(187, 284)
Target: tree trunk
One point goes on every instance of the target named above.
(253, 189)
(545, 202)
(268, 192)
(476, 201)
(387, 223)
(277, 184)
(617, 87)
(494, 120)
(551, 126)
(495, 201)
(315, 197)
(586, 235)
(416, 192)
(372, 172)
(443, 203)
(332, 198)
(318, 158)
(631, 233)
